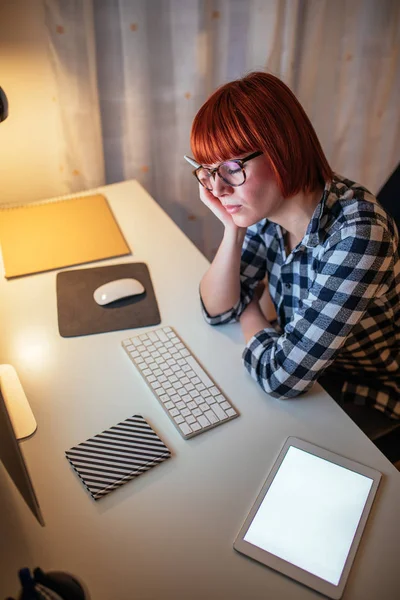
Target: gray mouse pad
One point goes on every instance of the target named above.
(79, 313)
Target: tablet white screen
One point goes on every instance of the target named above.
(310, 514)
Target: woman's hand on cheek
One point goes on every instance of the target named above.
(216, 207)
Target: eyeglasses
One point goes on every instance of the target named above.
(230, 171)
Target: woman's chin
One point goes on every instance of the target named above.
(242, 220)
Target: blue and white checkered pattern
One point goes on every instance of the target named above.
(337, 297)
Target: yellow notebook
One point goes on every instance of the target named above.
(59, 233)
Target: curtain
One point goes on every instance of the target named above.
(133, 73)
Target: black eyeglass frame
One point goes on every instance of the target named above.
(238, 161)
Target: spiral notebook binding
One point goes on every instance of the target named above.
(53, 200)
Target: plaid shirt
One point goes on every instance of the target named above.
(337, 297)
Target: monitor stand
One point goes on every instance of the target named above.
(20, 413)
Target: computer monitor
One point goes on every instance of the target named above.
(10, 452)
(16, 419)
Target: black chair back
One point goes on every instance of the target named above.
(389, 195)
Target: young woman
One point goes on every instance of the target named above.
(328, 250)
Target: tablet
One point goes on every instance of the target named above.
(309, 516)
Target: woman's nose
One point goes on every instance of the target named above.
(220, 187)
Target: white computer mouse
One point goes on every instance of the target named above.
(116, 290)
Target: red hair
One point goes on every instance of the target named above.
(259, 112)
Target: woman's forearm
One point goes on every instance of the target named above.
(253, 320)
(220, 286)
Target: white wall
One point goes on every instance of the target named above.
(30, 163)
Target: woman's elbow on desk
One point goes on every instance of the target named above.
(282, 390)
(273, 378)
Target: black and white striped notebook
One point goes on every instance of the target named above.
(109, 459)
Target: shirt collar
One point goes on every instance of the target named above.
(316, 228)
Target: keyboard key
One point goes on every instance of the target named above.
(221, 414)
(204, 422)
(161, 336)
(231, 412)
(211, 416)
(185, 428)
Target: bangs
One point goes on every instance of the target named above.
(218, 133)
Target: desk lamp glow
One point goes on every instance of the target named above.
(16, 418)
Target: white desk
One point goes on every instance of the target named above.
(168, 534)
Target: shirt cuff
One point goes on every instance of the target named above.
(257, 345)
(229, 316)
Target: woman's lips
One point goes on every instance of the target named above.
(232, 208)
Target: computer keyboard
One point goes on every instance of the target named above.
(187, 393)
